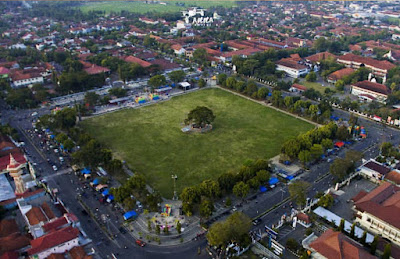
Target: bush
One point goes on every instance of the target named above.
(292, 244)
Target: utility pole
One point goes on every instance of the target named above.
(174, 177)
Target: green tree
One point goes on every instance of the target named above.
(363, 238)
(202, 83)
(288, 101)
(200, 116)
(61, 137)
(327, 143)
(91, 98)
(316, 151)
(292, 244)
(387, 251)
(387, 149)
(179, 227)
(339, 85)
(326, 201)
(374, 245)
(190, 195)
(231, 82)
(177, 76)
(158, 229)
(68, 144)
(311, 77)
(241, 189)
(313, 110)
(210, 189)
(262, 93)
(341, 226)
(221, 79)
(157, 81)
(352, 230)
(235, 228)
(200, 56)
(206, 208)
(304, 156)
(298, 192)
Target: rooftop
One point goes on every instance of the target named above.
(383, 202)
(375, 87)
(335, 245)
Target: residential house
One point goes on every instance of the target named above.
(296, 88)
(132, 59)
(178, 49)
(148, 21)
(378, 211)
(11, 239)
(93, 69)
(393, 55)
(317, 58)
(369, 91)
(339, 74)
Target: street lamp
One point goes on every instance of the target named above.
(174, 177)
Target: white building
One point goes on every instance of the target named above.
(292, 68)
(367, 90)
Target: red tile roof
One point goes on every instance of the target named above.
(165, 64)
(4, 71)
(56, 256)
(55, 224)
(10, 255)
(288, 62)
(383, 202)
(375, 87)
(300, 87)
(13, 242)
(384, 65)
(132, 59)
(335, 245)
(8, 227)
(52, 239)
(393, 176)
(35, 216)
(79, 253)
(339, 74)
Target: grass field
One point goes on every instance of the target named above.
(141, 7)
(150, 140)
(316, 86)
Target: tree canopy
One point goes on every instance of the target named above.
(200, 116)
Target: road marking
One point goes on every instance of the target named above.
(30, 141)
(62, 172)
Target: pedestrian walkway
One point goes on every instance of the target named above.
(269, 105)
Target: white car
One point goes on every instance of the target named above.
(55, 150)
(55, 168)
(61, 159)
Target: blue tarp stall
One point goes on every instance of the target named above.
(130, 214)
(96, 181)
(334, 118)
(269, 94)
(322, 156)
(173, 85)
(105, 192)
(110, 198)
(289, 177)
(85, 171)
(47, 130)
(348, 142)
(263, 189)
(52, 136)
(273, 181)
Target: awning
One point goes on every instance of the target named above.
(96, 181)
(339, 144)
(101, 186)
(263, 189)
(273, 181)
(130, 214)
(163, 89)
(105, 192)
(110, 198)
(85, 171)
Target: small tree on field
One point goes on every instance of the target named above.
(200, 116)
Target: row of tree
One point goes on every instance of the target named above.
(310, 144)
(251, 175)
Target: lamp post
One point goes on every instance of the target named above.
(174, 177)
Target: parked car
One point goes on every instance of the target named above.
(140, 243)
(55, 168)
(257, 222)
